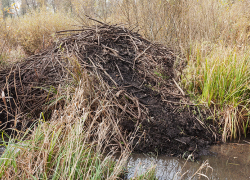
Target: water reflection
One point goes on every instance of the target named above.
(231, 162)
(167, 167)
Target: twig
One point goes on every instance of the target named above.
(105, 72)
(15, 121)
(179, 102)
(20, 78)
(180, 141)
(182, 92)
(246, 142)
(202, 123)
(129, 112)
(138, 107)
(70, 30)
(136, 47)
(115, 52)
(96, 20)
(119, 72)
(101, 58)
(4, 101)
(140, 55)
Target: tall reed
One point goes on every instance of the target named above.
(62, 149)
(222, 80)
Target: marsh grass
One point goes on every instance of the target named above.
(217, 74)
(150, 174)
(62, 149)
(212, 40)
(221, 80)
(35, 30)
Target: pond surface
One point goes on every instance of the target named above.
(230, 162)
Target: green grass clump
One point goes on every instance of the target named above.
(221, 79)
(55, 151)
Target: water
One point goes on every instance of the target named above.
(231, 162)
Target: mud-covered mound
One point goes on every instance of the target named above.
(140, 75)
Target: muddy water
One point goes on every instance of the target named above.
(230, 162)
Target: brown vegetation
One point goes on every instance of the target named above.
(135, 76)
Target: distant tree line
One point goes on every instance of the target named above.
(94, 8)
(23, 6)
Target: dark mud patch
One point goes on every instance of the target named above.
(140, 74)
(171, 128)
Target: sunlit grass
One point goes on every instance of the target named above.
(35, 30)
(221, 79)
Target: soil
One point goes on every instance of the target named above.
(141, 76)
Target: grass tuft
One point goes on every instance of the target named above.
(35, 30)
(62, 149)
(221, 79)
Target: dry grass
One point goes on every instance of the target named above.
(70, 146)
(150, 174)
(61, 148)
(224, 28)
(180, 24)
(35, 30)
(9, 55)
(212, 37)
(203, 171)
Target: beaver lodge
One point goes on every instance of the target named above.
(129, 84)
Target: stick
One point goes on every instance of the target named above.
(179, 102)
(180, 141)
(182, 92)
(129, 112)
(141, 55)
(4, 101)
(246, 142)
(105, 72)
(115, 52)
(119, 71)
(95, 20)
